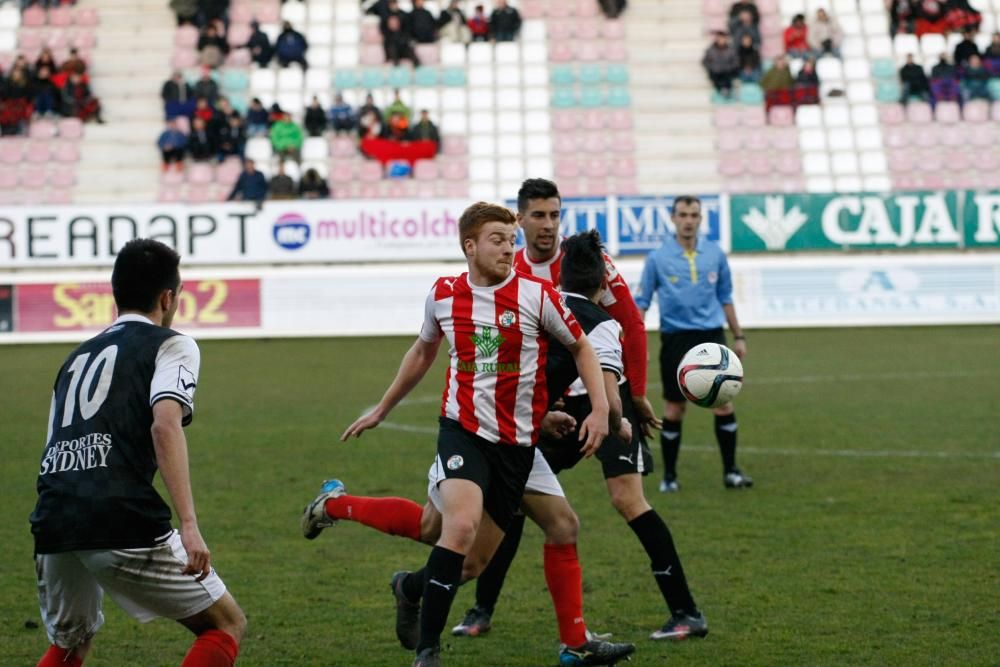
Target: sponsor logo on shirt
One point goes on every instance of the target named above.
(713, 277)
(86, 453)
(488, 343)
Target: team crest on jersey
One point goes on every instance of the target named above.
(455, 462)
(674, 279)
(507, 318)
(713, 277)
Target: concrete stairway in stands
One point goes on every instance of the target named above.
(119, 160)
(671, 97)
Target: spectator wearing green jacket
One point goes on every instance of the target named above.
(286, 138)
(398, 106)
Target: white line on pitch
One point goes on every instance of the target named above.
(766, 451)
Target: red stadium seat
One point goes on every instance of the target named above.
(454, 145)
(70, 128)
(425, 170)
(33, 178)
(60, 17)
(87, 16)
(63, 177)
(66, 152)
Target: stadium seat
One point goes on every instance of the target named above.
(66, 152)
(370, 172)
(453, 77)
(399, 77)
(919, 112)
(976, 111)
(425, 76)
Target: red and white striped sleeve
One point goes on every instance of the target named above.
(557, 319)
(430, 330)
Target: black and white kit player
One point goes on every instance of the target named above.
(623, 461)
(118, 406)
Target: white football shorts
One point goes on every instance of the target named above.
(541, 480)
(146, 583)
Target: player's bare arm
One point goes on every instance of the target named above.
(616, 422)
(739, 342)
(595, 427)
(416, 362)
(170, 445)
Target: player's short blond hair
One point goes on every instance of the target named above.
(477, 215)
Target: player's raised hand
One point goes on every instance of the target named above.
(647, 417)
(592, 433)
(199, 558)
(370, 419)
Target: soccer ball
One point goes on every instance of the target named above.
(710, 375)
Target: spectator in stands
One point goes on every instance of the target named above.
(992, 51)
(796, 38)
(259, 44)
(203, 110)
(315, 118)
(281, 186)
(612, 8)
(15, 102)
(342, 115)
(392, 8)
(211, 10)
(825, 34)
(313, 186)
(738, 8)
(423, 25)
(966, 48)
(453, 26)
(231, 138)
(257, 124)
(206, 87)
(777, 83)
(286, 138)
(944, 82)
(722, 64)
(78, 101)
(186, 11)
(902, 14)
(172, 143)
(250, 186)
(377, 8)
(74, 63)
(369, 119)
(398, 106)
(806, 88)
(212, 47)
(749, 56)
(505, 22)
(962, 16)
(291, 47)
(425, 129)
(201, 144)
(397, 42)
(177, 96)
(975, 80)
(47, 95)
(930, 17)
(46, 59)
(398, 126)
(914, 81)
(479, 25)
(745, 26)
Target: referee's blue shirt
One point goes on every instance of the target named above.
(691, 288)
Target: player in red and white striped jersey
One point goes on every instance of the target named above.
(539, 209)
(497, 323)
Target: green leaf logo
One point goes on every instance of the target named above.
(487, 343)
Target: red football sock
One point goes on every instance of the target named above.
(564, 577)
(212, 648)
(392, 516)
(59, 657)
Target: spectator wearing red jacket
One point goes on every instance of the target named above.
(797, 38)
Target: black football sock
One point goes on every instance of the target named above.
(413, 585)
(725, 433)
(664, 561)
(490, 582)
(443, 574)
(670, 443)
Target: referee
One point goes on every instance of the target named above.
(690, 277)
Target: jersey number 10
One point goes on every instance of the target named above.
(91, 397)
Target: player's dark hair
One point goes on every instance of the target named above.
(583, 266)
(143, 269)
(685, 199)
(477, 215)
(536, 188)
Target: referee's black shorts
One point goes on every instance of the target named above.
(673, 347)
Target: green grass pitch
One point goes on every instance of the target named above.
(871, 538)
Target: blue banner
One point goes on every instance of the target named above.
(644, 222)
